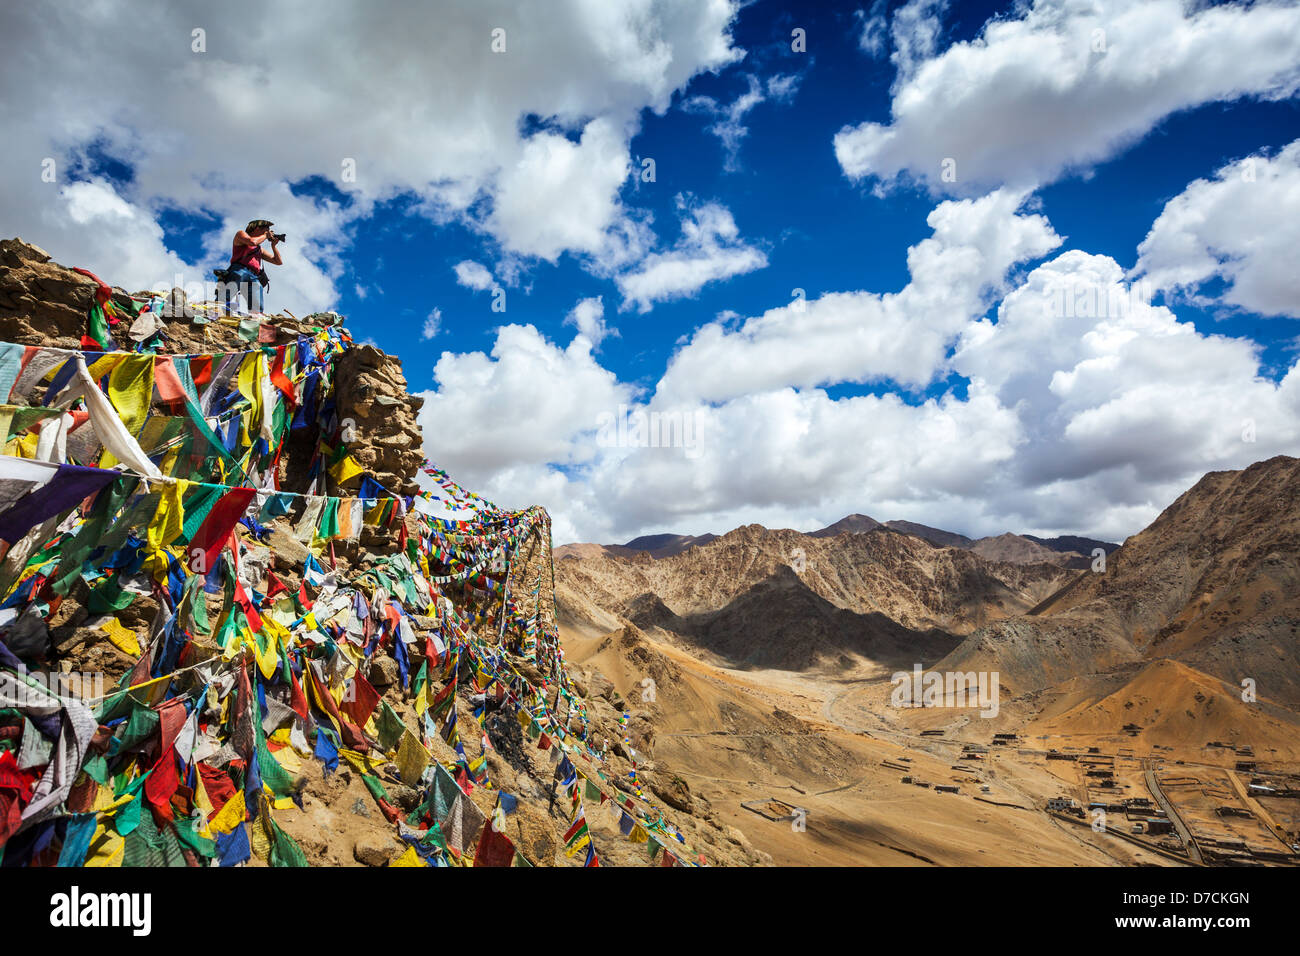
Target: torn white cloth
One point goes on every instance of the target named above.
(108, 426)
(306, 527)
(270, 395)
(357, 518)
(146, 326)
(52, 445)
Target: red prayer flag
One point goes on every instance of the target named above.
(162, 783)
(297, 699)
(215, 532)
(494, 849)
(167, 382)
(201, 370)
(364, 699)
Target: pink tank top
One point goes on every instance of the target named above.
(250, 256)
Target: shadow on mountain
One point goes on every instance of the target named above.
(780, 623)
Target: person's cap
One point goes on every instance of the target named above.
(255, 223)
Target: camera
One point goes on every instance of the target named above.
(277, 237)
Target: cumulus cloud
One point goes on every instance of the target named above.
(473, 275)
(221, 121)
(709, 249)
(867, 336)
(526, 403)
(563, 196)
(589, 317)
(1242, 226)
(1062, 86)
(1123, 406)
(1086, 410)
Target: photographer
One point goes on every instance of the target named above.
(246, 274)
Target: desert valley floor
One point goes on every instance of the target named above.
(834, 748)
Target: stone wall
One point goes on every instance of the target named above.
(41, 302)
(371, 391)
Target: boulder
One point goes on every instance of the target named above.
(373, 851)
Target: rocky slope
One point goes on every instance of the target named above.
(763, 598)
(1213, 582)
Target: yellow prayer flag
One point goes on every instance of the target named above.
(106, 848)
(169, 518)
(362, 763)
(103, 366)
(130, 389)
(409, 858)
(230, 816)
(26, 445)
(345, 470)
(412, 758)
(276, 630)
(251, 390)
(122, 637)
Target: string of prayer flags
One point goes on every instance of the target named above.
(198, 445)
(52, 490)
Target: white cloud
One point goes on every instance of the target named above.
(525, 404)
(1088, 410)
(875, 27)
(1242, 226)
(709, 249)
(729, 119)
(432, 324)
(1043, 92)
(428, 111)
(473, 275)
(867, 336)
(1123, 406)
(563, 196)
(589, 317)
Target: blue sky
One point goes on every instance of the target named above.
(1096, 145)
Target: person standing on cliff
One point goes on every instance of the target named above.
(245, 274)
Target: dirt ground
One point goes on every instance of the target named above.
(835, 749)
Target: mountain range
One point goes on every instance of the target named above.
(1213, 583)
(1069, 551)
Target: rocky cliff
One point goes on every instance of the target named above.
(408, 589)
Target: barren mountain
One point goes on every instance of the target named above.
(1017, 549)
(1140, 663)
(1213, 582)
(1174, 705)
(655, 545)
(1073, 543)
(763, 598)
(849, 524)
(936, 536)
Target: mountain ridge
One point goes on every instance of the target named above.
(1073, 551)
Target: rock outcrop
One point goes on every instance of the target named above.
(372, 395)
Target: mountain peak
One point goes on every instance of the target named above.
(849, 524)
